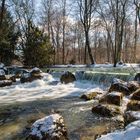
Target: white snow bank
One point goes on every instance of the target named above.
(47, 125)
(131, 132)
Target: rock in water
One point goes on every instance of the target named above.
(120, 87)
(106, 110)
(34, 74)
(112, 98)
(49, 128)
(67, 77)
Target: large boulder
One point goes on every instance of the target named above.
(137, 77)
(4, 83)
(67, 77)
(106, 110)
(136, 95)
(34, 74)
(49, 128)
(112, 98)
(119, 86)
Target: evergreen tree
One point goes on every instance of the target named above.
(38, 50)
(8, 38)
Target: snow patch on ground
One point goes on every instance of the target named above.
(131, 132)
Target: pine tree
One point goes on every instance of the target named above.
(8, 38)
(38, 50)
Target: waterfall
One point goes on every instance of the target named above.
(104, 78)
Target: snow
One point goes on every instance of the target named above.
(1, 65)
(35, 69)
(46, 125)
(126, 65)
(2, 72)
(131, 132)
(114, 93)
(135, 114)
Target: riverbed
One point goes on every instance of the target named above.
(22, 104)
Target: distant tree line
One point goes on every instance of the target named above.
(69, 31)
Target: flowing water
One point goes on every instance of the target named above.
(22, 104)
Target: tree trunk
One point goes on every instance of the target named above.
(2, 13)
(63, 32)
(135, 37)
(87, 45)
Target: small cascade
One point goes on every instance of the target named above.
(104, 78)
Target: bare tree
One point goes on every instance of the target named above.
(86, 10)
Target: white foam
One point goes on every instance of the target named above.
(41, 89)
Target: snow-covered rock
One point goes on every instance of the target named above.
(131, 132)
(120, 87)
(49, 128)
(35, 71)
(34, 74)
